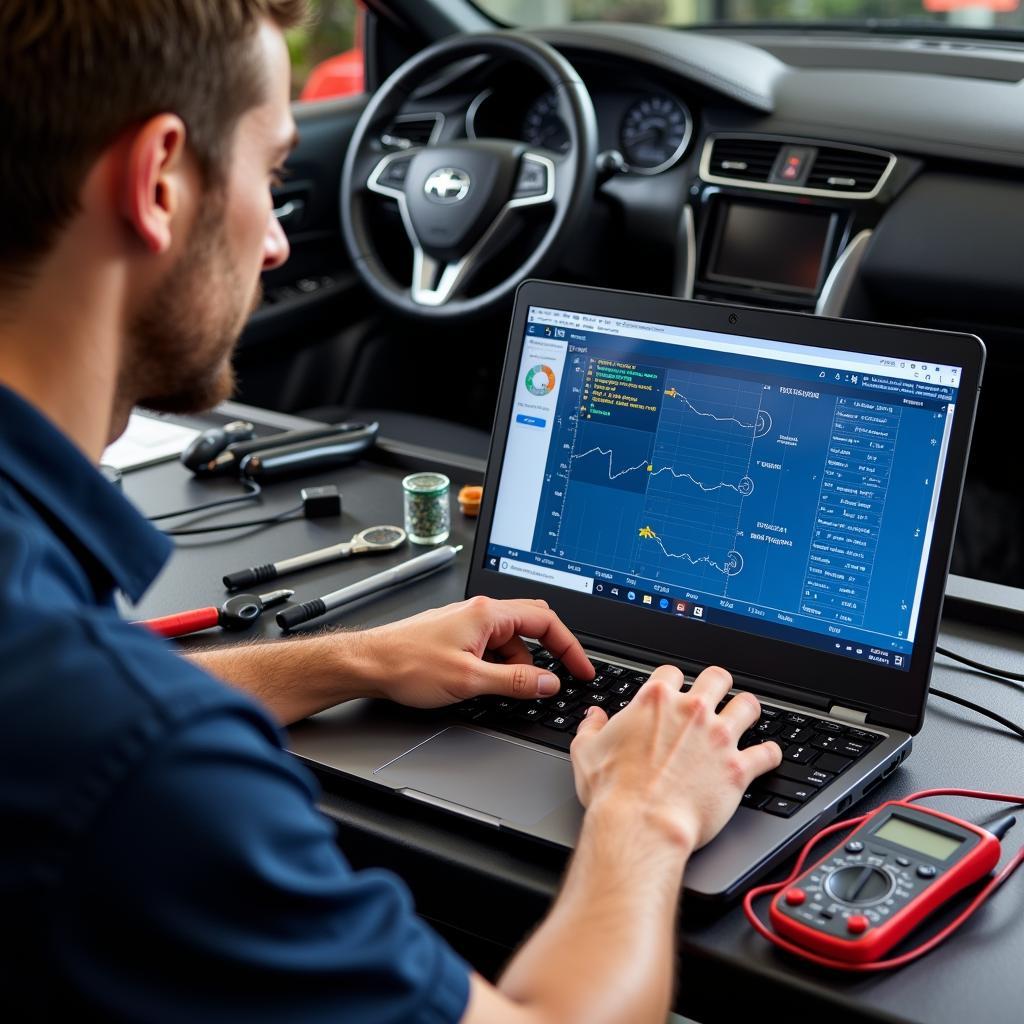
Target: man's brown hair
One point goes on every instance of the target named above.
(75, 74)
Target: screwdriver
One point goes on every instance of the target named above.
(410, 569)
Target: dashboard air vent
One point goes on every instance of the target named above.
(744, 159)
(411, 130)
(847, 170)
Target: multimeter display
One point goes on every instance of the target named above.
(917, 838)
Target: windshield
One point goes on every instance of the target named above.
(960, 16)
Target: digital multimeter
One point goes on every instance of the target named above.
(871, 891)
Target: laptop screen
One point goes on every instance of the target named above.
(759, 485)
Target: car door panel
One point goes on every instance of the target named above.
(314, 305)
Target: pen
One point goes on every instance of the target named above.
(406, 570)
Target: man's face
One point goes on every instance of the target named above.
(178, 354)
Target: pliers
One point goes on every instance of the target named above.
(236, 613)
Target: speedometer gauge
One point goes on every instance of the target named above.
(544, 127)
(654, 133)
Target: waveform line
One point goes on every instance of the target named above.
(648, 533)
(654, 472)
(672, 393)
(610, 452)
(686, 476)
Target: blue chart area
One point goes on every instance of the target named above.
(795, 505)
(615, 457)
(666, 503)
(699, 479)
(605, 494)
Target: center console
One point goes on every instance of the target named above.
(775, 219)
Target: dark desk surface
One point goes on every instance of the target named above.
(491, 889)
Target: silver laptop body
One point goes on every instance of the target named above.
(589, 372)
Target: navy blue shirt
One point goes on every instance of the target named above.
(161, 857)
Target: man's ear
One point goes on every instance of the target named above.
(155, 180)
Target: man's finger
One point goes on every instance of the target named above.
(514, 651)
(741, 712)
(544, 625)
(762, 757)
(665, 674)
(669, 674)
(712, 685)
(593, 722)
(514, 679)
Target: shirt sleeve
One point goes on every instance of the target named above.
(211, 888)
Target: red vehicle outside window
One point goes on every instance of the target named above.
(341, 75)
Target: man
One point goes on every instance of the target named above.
(162, 855)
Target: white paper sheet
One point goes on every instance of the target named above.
(148, 439)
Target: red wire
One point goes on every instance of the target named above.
(899, 961)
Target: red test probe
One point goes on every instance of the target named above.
(237, 613)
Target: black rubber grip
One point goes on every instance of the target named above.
(300, 613)
(247, 577)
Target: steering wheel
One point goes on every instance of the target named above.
(458, 200)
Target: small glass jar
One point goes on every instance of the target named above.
(428, 516)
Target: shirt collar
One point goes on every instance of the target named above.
(45, 464)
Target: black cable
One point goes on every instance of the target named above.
(185, 532)
(1012, 726)
(989, 670)
(253, 490)
(981, 666)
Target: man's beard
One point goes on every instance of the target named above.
(177, 355)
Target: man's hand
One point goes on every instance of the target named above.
(671, 756)
(426, 661)
(659, 780)
(438, 657)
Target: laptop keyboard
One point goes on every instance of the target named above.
(814, 751)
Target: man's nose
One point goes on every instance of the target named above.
(275, 245)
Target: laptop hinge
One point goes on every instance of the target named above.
(848, 714)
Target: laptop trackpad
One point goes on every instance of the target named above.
(485, 773)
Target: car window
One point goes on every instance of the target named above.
(327, 53)
(965, 15)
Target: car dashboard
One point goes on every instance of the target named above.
(758, 168)
(876, 177)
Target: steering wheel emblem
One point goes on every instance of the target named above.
(447, 185)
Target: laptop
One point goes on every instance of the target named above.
(697, 483)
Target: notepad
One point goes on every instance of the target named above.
(147, 440)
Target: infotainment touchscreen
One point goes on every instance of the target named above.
(781, 246)
(759, 485)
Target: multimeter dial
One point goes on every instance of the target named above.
(850, 883)
(859, 886)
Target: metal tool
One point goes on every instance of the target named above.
(210, 443)
(419, 566)
(237, 613)
(227, 461)
(309, 456)
(372, 539)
